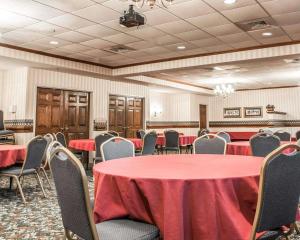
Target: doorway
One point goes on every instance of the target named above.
(126, 115)
(202, 116)
(66, 111)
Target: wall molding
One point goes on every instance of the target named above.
(171, 124)
(19, 125)
(255, 124)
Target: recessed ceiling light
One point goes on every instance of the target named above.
(267, 34)
(181, 47)
(53, 42)
(229, 1)
(218, 68)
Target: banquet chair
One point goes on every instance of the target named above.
(49, 138)
(61, 138)
(209, 144)
(262, 144)
(202, 132)
(140, 133)
(115, 148)
(101, 138)
(283, 136)
(298, 135)
(172, 141)
(225, 136)
(36, 150)
(6, 136)
(73, 197)
(149, 143)
(278, 195)
(114, 133)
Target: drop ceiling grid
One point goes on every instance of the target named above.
(181, 11)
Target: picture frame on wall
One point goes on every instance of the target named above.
(253, 112)
(232, 112)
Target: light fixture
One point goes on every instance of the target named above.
(224, 90)
(218, 68)
(229, 1)
(53, 42)
(267, 34)
(152, 3)
(181, 47)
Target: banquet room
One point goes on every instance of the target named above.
(150, 119)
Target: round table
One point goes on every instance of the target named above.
(10, 154)
(89, 144)
(243, 148)
(187, 196)
(183, 140)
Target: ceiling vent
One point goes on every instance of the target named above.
(120, 49)
(257, 24)
(295, 60)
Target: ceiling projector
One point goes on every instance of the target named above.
(132, 18)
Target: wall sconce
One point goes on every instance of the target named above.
(13, 110)
(156, 111)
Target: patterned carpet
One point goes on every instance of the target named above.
(40, 219)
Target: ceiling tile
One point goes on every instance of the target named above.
(276, 31)
(188, 46)
(147, 33)
(279, 7)
(69, 5)
(223, 30)
(220, 5)
(122, 6)
(97, 13)
(98, 43)
(140, 45)
(74, 36)
(218, 48)
(210, 20)
(245, 13)
(8, 18)
(207, 42)
(58, 51)
(245, 44)
(46, 41)
(121, 38)
(288, 18)
(159, 16)
(97, 53)
(166, 40)
(45, 28)
(193, 35)
(237, 37)
(6, 28)
(292, 29)
(21, 36)
(70, 21)
(156, 50)
(176, 27)
(75, 48)
(189, 9)
(135, 54)
(97, 31)
(274, 40)
(35, 46)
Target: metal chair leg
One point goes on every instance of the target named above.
(40, 183)
(20, 189)
(44, 171)
(10, 182)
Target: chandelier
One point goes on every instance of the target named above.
(151, 3)
(224, 90)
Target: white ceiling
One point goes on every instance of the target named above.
(85, 29)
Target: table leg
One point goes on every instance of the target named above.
(86, 158)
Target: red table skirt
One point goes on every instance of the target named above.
(89, 144)
(183, 140)
(211, 197)
(10, 154)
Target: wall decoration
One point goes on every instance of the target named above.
(232, 112)
(253, 112)
(100, 125)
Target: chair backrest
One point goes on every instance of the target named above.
(172, 139)
(1, 120)
(101, 138)
(224, 135)
(49, 137)
(114, 133)
(202, 132)
(115, 148)
(36, 150)
(72, 193)
(263, 143)
(140, 133)
(298, 135)
(149, 143)
(283, 136)
(60, 137)
(209, 144)
(51, 148)
(278, 190)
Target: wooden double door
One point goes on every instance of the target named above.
(126, 115)
(59, 110)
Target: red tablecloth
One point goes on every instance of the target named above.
(89, 144)
(211, 197)
(10, 154)
(183, 140)
(242, 148)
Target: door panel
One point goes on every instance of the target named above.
(203, 116)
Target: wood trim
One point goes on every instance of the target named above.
(171, 124)
(19, 126)
(254, 124)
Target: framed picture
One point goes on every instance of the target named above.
(253, 112)
(232, 112)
